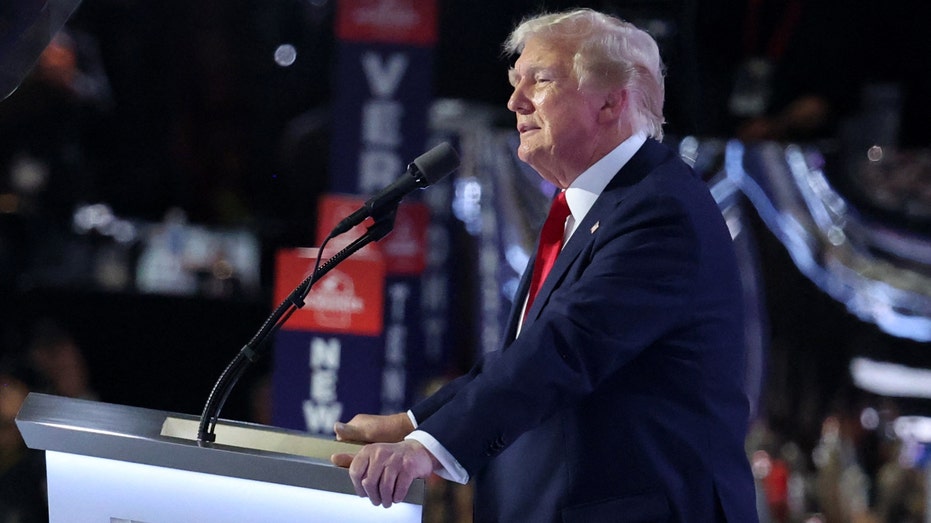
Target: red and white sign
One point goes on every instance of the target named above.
(350, 299)
(411, 22)
(404, 249)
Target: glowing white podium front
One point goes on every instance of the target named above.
(119, 464)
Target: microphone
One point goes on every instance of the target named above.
(427, 169)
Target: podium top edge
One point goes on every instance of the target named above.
(134, 434)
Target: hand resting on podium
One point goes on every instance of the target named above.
(371, 428)
(384, 469)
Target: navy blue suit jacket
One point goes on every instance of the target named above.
(622, 399)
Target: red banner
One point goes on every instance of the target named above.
(410, 22)
(404, 249)
(347, 300)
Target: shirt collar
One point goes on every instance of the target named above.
(583, 192)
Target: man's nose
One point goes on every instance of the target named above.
(519, 103)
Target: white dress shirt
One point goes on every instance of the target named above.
(580, 196)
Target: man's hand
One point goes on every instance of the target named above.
(369, 428)
(383, 472)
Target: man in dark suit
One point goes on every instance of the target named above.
(617, 393)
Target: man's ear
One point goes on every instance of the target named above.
(615, 103)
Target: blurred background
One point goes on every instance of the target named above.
(159, 155)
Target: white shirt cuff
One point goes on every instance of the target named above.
(412, 418)
(451, 469)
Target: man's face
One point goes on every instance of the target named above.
(558, 122)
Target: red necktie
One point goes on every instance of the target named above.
(554, 228)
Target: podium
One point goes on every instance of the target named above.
(120, 464)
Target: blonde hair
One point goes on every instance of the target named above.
(609, 53)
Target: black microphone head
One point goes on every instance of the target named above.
(433, 165)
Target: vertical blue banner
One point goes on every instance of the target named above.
(329, 356)
(404, 251)
(383, 90)
(382, 97)
(317, 376)
(439, 322)
(405, 259)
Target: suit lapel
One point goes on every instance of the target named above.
(640, 165)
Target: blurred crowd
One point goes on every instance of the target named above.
(49, 361)
(859, 471)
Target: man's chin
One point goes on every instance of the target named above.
(526, 153)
